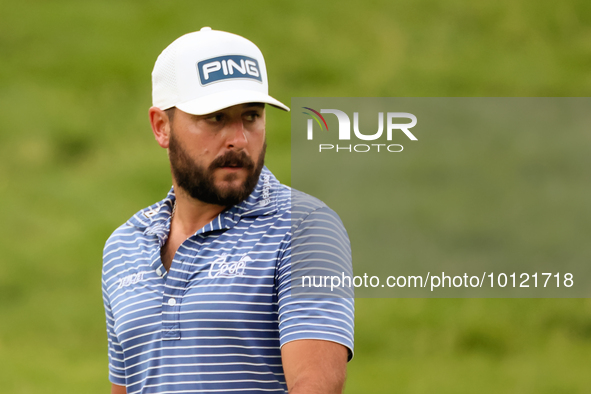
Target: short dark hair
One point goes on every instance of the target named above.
(170, 113)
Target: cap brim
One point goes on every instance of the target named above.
(215, 102)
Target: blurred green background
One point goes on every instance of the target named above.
(77, 159)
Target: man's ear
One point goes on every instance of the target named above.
(160, 126)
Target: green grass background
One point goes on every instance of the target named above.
(77, 159)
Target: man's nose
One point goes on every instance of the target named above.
(236, 137)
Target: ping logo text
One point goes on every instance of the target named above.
(228, 67)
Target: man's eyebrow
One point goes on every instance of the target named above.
(197, 117)
(260, 105)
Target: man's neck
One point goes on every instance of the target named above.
(191, 214)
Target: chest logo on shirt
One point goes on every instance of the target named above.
(228, 269)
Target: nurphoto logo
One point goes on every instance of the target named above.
(344, 130)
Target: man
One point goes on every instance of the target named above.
(197, 287)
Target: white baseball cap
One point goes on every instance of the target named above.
(208, 70)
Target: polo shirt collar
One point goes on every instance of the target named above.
(262, 201)
(155, 220)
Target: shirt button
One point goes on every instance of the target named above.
(171, 302)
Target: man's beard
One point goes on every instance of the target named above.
(199, 181)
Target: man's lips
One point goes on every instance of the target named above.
(231, 168)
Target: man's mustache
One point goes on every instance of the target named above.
(233, 159)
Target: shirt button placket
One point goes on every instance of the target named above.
(171, 305)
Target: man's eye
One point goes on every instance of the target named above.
(251, 117)
(215, 118)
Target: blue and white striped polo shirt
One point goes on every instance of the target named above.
(216, 321)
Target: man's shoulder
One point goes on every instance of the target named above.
(309, 216)
(304, 202)
(271, 197)
(296, 203)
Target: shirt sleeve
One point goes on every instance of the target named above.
(319, 250)
(116, 358)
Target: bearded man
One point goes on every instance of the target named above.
(198, 287)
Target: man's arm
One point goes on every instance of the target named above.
(314, 366)
(116, 389)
